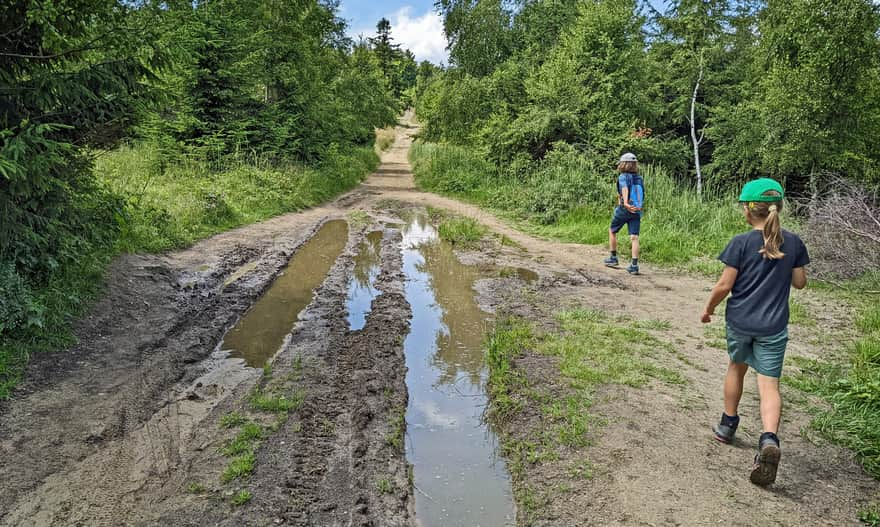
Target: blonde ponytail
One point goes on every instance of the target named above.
(772, 234)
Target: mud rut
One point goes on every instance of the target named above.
(113, 431)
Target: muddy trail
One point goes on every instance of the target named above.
(325, 368)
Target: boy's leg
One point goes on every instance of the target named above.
(733, 386)
(612, 240)
(635, 245)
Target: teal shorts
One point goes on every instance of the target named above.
(763, 354)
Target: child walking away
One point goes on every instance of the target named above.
(630, 199)
(761, 266)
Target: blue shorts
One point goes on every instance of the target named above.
(632, 220)
(763, 354)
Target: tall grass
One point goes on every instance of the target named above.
(176, 203)
(571, 198)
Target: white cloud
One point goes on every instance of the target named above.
(423, 35)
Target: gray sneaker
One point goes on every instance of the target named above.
(633, 269)
(766, 463)
(611, 261)
(725, 432)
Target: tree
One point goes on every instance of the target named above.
(72, 73)
(818, 99)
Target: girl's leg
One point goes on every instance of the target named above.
(771, 402)
(733, 386)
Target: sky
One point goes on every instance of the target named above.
(415, 25)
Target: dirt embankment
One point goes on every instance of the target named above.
(125, 428)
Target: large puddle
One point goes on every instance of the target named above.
(361, 288)
(458, 477)
(259, 334)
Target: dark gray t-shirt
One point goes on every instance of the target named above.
(758, 303)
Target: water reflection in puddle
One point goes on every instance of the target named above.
(458, 477)
(361, 288)
(259, 334)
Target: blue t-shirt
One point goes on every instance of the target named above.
(758, 303)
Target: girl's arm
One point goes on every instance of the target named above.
(719, 292)
(798, 277)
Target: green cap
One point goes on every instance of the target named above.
(754, 190)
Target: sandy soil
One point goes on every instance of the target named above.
(116, 430)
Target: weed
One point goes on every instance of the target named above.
(267, 369)
(465, 232)
(241, 466)
(397, 428)
(798, 313)
(870, 515)
(249, 434)
(273, 402)
(241, 497)
(196, 488)
(359, 218)
(583, 470)
(232, 419)
(385, 486)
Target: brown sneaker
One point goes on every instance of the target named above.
(766, 463)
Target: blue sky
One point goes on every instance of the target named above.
(414, 24)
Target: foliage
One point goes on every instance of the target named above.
(218, 105)
(786, 90)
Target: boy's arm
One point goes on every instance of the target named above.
(624, 193)
(799, 277)
(719, 292)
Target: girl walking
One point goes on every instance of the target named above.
(761, 266)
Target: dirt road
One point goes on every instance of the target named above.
(136, 424)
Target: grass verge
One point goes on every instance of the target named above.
(852, 389)
(590, 350)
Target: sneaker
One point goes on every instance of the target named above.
(633, 269)
(766, 462)
(725, 432)
(611, 261)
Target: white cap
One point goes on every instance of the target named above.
(629, 156)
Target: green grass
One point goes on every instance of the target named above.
(853, 390)
(870, 515)
(274, 402)
(232, 419)
(461, 231)
(241, 466)
(249, 435)
(384, 486)
(241, 497)
(196, 488)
